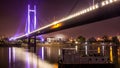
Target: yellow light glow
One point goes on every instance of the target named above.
(93, 7)
(59, 52)
(85, 11)
(98, 39)
(96, 6)
(110, 38)
(90, 8)
(118, 52)
(111, 55)
(76, 48)
(56, 26)
(98, 49)
(103, 3)
(107, 2)
(111, 1)
(55, 65)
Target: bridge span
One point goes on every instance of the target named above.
(98, 12)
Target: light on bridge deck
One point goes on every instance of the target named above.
(56, 26)
(108, 2)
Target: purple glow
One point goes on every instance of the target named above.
(34, 17)
(28, 31)
(27, 61)
(9, 56)
(42, 53)
(29, 24)
(13, 54)
(35, 65)
(41, 38)
(12, 38)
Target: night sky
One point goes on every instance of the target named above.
(13, 17)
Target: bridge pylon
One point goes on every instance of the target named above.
(31, 19)
(31, 25)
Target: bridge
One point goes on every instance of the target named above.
(101, 11)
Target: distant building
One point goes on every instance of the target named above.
(118, 37)
(50, 39)
(57, 38)
(60, 37)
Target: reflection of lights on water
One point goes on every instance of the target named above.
(118, 50)
(42, 53)
(86, 50)
(13, 54)
(9, 57)
(59, 52)
(48, 51)
(35, 61)
(111, 55)
(103, 48)
(76, 48)
(98, 49)
(31, 59)
(27, 61)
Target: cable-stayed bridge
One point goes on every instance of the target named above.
(101, 11)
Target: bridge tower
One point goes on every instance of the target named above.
(31, 19)
(31, 25)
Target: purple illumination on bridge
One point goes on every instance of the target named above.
(31, 25)
(41, 38)
(41, 53)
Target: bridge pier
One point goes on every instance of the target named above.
(29, 43)
(32, 43)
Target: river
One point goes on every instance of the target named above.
(21, 57)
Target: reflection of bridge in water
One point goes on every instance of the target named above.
(52, 53)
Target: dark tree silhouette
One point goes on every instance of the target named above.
(106, 38)
(115, 40)
(81, 39)
(92, 40)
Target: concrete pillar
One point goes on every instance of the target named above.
(34, 43)
(28, 42)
